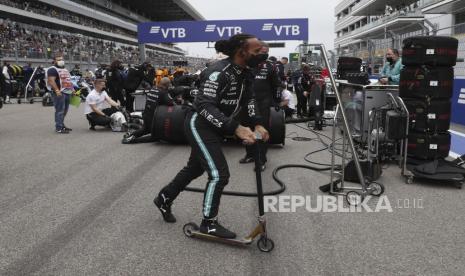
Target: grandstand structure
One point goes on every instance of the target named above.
(88, 32)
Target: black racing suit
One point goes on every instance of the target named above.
(302, 82)
(136, 76)
(154, 98)
(224, 93)
(281, 73)
(267, 88)
(115, 84)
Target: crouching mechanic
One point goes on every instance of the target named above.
(96, 109)
(155, 97)
(287, 103)
(224, 93)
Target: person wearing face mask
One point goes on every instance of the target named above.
(281, 69)
(391, 70)
(156, 96)
(267, 88)
(224, 96)
(76, 71)
(115, 81)
(5, 81)
(302, 81)
(59, 82)
(96, 108)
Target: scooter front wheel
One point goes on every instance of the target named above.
(189, 228)
(265, 244)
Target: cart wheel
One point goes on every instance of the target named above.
(189, 228)
(354, 198)
(265, 244)
(409, 180)
(19, 101)
(376, 188)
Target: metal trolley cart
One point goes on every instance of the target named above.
(356, 118)
(353, 197)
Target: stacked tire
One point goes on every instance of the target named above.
(168, 125)
(426, 87)
(348, 68)
(348, 65)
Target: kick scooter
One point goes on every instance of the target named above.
(264, 243)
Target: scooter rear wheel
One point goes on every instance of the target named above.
(265, 244)
(354, 198)
(189, 228)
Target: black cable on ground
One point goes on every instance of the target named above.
(243, 194)
(302, 139)
(325, 167)
(289, 134)
(330, 147)
(298, 120)
(324, 188)
(316, 163)
(280, 183)
(297, 137)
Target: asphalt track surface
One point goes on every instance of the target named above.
(81, 204)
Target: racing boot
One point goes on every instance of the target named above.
(164, 205)
(212, 227)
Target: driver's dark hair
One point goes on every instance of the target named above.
(233, 44)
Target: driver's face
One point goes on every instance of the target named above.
(254, 47)
(264, 50)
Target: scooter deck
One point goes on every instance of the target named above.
(264, 243)
(240, 242)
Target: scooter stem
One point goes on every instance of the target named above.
(258, 176)
(258, 230)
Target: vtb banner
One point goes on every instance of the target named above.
(213, 30)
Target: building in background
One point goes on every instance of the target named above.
(365, 28)
(88, 32)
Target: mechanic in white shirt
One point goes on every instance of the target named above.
(99, 106)
(287, 103)
(5, 79)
